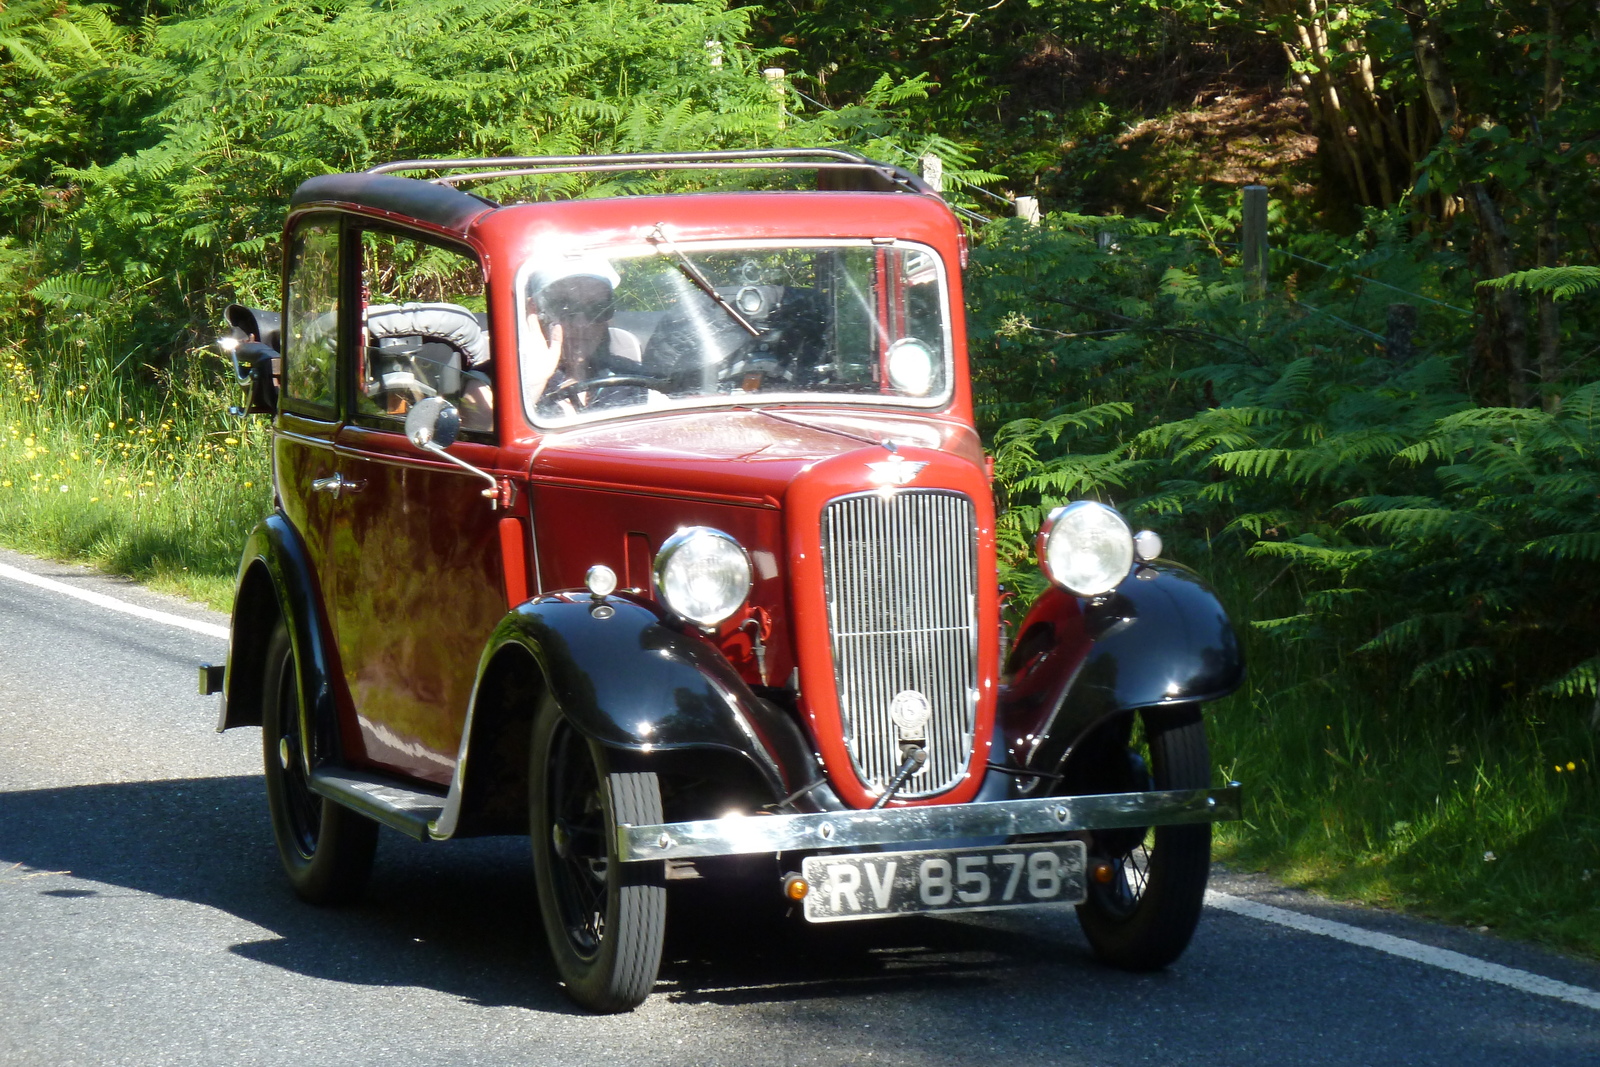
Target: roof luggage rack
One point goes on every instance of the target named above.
(836, 170)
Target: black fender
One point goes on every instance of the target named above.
(275, 581)
(1161, 639)
(626, 675)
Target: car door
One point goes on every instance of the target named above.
(420, 581)
(303, 441)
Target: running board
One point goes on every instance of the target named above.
(378, 798)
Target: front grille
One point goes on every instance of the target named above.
(900, 575)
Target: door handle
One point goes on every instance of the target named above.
(337, 484)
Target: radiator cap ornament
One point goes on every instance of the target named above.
(896, 470)
(910, 712)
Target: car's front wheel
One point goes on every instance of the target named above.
(326, 849)
(1142, 918)
(605, 920)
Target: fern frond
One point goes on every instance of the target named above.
(1581, 680)
(1460, 663)
(1561, 283)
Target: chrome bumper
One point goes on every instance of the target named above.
(747, 834)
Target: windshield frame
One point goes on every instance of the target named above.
(641, 248)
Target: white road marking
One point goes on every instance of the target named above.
(1470, 966)
(111, 603)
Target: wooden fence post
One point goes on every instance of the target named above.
(933, 171)
(1254, 240)
(1398, 330)
(1028, 209)
(775, 84)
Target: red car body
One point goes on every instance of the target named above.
(424, 624)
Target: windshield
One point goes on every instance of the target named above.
(669, 325)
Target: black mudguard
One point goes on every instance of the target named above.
(628, 677)
(276, 580)
(1161, 639)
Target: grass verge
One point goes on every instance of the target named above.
(160, 484)
(1476, 808)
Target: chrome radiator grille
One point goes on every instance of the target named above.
(900, 575)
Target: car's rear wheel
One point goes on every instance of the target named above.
(1143, 917)
(605, 920)
(326, 849)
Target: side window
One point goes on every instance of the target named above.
(425, 330)
(311, 336)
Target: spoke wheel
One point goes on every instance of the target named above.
(606, 921)
(325, 849)
(1143, 918)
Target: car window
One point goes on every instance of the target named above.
(311, 334)
(424, 330)
(717, 323)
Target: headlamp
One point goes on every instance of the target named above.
(703, 575)
(1086, 548)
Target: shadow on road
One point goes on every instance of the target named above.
(461, 917)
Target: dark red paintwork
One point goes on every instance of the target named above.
(427, 569)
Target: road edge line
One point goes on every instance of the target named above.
(111, 603)
(1442, 958)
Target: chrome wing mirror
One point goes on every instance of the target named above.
(433, 425)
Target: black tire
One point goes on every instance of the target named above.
(326, 849)
(606, 921)
(1143, 918)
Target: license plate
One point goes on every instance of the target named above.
(875, 884)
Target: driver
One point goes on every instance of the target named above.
(570, 304)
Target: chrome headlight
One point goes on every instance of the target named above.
(703, 574)
(1086, 548)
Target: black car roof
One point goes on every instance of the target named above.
(441, 205)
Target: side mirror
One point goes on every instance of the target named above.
(257, 367)
(433, 421)
(432, 425)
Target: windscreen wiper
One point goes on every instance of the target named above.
(664, 245)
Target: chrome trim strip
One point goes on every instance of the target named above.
(749, 834)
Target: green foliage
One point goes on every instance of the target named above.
(148, 166)
(1562, 283)
(1418, 528)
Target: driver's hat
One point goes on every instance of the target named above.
(562, 269)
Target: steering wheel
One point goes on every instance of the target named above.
(562, 392)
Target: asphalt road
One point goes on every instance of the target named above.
(143, 920)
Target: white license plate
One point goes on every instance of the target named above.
(875, 884)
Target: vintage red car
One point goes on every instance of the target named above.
(656, 527)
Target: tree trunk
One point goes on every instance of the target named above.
(1548, 238)
(1499, 249)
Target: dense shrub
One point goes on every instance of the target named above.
(1441, 540)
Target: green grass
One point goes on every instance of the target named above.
(157, 483)
(1476, 808)
(1356, 787)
